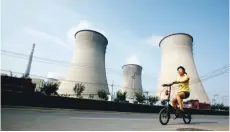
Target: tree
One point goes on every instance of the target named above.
(49, 88)
(78, 89)
(91, 96)
(140, 97)
(164, 102)
(219, 107)
(121, 97)
(103, 95)
(153, 99)
(226, 108)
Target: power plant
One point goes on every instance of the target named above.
(87, 65)
(131, 80)
(177, 50)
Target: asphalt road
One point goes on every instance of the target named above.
(21, 119)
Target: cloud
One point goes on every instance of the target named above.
(45, 36)
(132, 59)
(82, 25)
(154, 40)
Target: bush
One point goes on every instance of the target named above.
(49, 88)
(102, 94)
(153, 99)
(121, 97)
(140, 98)
(78, 89)
(91, 96)
(219, 107)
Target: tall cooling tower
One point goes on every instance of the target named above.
(131, 82)
(176, 50)
(87, 64)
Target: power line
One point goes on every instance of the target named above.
(194, 81)
(63, 63)
(215, 75)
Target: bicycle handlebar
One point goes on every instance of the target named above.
(169, 85)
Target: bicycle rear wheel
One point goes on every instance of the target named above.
(164, 116)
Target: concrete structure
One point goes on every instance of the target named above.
(131, 81)
(87, 64)
(27, 72)
(176, 50)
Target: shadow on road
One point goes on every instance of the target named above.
(195, 123)
(210, 122)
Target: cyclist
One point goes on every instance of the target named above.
(183, 89)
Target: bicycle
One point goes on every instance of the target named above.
(165, 112)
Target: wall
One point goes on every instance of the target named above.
(38, 100)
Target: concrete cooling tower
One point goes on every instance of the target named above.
(131, 81)
(87, 64)
(176, 50)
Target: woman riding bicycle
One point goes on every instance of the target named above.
(183, 88)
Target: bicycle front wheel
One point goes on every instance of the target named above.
(164, 116)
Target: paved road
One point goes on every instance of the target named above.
(78, 120)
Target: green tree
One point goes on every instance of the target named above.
(140, 97)
(78, 89)
(102, 95)
(153, 99)
(49, 88)
(121, 97)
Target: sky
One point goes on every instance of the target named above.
(132, 27)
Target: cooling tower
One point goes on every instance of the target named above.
(87, 64)
(131, 82)
(176, 50)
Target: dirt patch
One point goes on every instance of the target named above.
(191, 129)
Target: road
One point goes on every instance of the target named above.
(31, 119)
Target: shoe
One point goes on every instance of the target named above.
(176, 116)
(181, 113)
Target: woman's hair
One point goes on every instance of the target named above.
(182, 68)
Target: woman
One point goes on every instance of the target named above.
(183, 88)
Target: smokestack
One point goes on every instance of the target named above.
(176, 50)
(27, 72)
(87, 64)
(131, 82)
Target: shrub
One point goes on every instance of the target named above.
(153, 99)
(49, 88)
(91, 96)
(102, 95)
(140, 97)
(78, 89)
(121, 97)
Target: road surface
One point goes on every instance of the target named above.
(31, 119)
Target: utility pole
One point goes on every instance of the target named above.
(214, 98)
(133, 77)
(27, 73)
(112, 91)
(147, 97)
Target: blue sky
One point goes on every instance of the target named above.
(133, 29)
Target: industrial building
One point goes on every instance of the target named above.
(87, 64)
(131, 80)
(177, 50)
